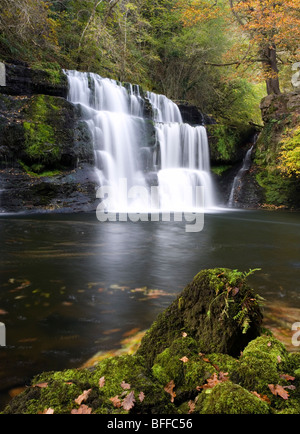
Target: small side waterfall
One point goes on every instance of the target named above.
(177, 160)
(237, 182)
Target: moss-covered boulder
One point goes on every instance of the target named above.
(176, 376)
(229, 398)
(218, 309)
(117, 385)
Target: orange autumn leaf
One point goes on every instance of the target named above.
(278, 390)
(125, 386)
(83, 396)
(262, 397)
(141, 396)
(101, 381)
(169, 389)
(287, 377)
(83, 409)
(184, 359)
(192, 406)
(48, 411)
(128, 401)
(116, 401)
(214, 380)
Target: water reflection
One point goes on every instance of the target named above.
(71, 286)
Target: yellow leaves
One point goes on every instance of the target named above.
(289, 158)
(198, 11)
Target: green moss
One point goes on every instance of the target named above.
(168, 366)
(219, 170)
(229, 398)
(41, 141)
(131, 370)
(218, 309)
(263, 362)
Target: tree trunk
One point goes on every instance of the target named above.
(270, 69)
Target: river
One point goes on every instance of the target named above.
(72, 286)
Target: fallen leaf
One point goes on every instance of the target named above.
(125, 386)
(184, 359)
(192, 406)
(83, 409)
(129, 401)
(83, 396)
(3, 312)
(48, 411)
(169, 389)
(101, 381)
(278, 359)
(287, 377)
(262, 397)
(278, 390)
(141, 396)
(116, 401)
(214, 380)
(41, 385)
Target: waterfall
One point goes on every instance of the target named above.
(237, 182)
(177, 162)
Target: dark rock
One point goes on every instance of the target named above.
(218, 309)
(22, 80)
(68, 191)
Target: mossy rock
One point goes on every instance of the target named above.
(265, 362)
(230, 398)
(182, 364)
(122, 375)
(218, 309)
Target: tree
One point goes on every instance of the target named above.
(264, 31)
(273, 28)
(27, 30)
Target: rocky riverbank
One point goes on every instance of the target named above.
(207, 353)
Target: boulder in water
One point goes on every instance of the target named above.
(218, 309)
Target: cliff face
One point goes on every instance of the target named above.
(281, 117)
(45, 149)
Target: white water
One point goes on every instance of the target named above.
(114, 115)
(237, 182)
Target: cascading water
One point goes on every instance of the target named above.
(237, 182)
(178, 161)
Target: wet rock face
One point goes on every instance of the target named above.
(218, 309)
(46, 151)
(22, 80)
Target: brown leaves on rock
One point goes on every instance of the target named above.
(125, 386)
(83, 397)
(128, 402)
(83, 409)
(214, 380)
(278, 390)
(169, 389)
(101, 382)
(281, 390)
(116, 401)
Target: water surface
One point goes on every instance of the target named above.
(72, 286)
